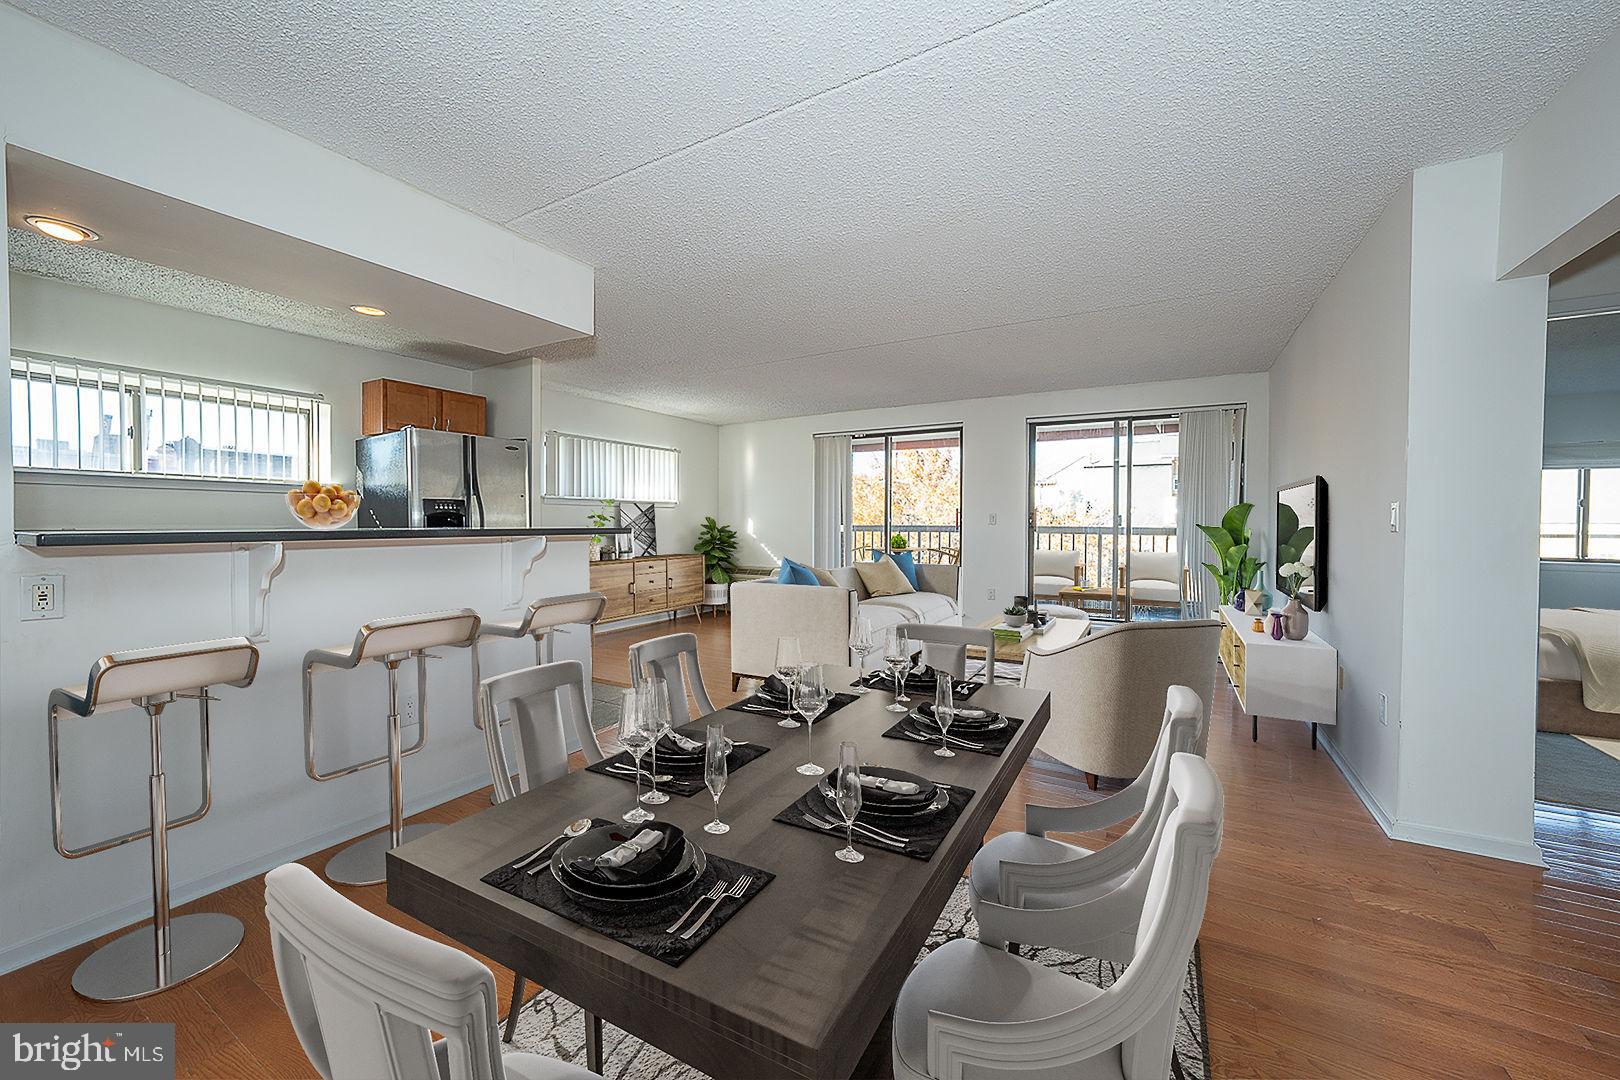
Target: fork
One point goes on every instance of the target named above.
(738, 887)
(715, 893)
(952, 739)
(827, 826)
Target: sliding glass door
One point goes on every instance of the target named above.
(1102, 522)
(906, 491)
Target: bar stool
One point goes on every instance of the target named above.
(543, 616)
(133, 966)
(389, 642)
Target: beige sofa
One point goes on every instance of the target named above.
(820, 616)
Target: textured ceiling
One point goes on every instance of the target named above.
(799, 208)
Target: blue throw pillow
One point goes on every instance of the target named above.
(794, 574)
(907, 565)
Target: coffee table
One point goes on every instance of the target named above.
(1080, 595)
(1063, 631)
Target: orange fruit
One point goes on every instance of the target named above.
(312, 487)
(305, 508)
(323, 502)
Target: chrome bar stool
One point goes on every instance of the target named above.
(389, 642)
(135, 965)
(543, 617)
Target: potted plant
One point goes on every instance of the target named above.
(605, 518)
(717, 544)
(1230, 539)
(898, 542)
(1014, 616)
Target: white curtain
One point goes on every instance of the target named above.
(832, 499)
(1211, 457)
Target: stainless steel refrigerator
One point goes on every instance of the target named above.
(424, 479)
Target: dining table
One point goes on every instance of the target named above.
(799, 981)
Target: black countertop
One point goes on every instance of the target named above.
(85, 538)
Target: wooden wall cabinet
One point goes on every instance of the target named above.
(388, 405)
(648, 585)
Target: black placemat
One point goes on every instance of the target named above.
(992, 743)
(961, 689)
(640, 926)
(687, 779)
(923, 835)
(781, 712)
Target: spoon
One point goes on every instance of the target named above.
(575, 828)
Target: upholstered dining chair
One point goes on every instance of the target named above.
(1108, 690)
(543, 706)
(944, 648)
(365, 996)
(970, 1009)
(1031, 870)
(673, 658)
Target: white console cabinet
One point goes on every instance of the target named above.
(1288, 680)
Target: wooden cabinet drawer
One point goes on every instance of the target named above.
(650, 577)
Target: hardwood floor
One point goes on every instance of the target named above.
(1329, 950)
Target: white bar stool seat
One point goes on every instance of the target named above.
(389, 642)
(135, 965)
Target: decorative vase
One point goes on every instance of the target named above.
(1296, 620)
(1255, 600)
(596, 550)
(1276, 626)
(1237, 600)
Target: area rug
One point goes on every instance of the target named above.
(553, 1027)
(1571, 772)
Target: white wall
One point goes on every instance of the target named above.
(1478, 363)
(576, 414)
(767, 469)
(1338, 410)
(70, 320)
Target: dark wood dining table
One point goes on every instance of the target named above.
(800, 979)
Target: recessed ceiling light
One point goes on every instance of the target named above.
(367, 309)
(62, 230)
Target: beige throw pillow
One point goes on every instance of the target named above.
(824, 576)
(884, 578)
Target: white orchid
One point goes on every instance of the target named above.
(1297, 573)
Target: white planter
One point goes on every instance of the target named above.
(716, 595)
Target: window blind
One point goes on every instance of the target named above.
(582, 467)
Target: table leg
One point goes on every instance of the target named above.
(1313, 735)
(519, 984)
(1254, 731)
(593, 1043)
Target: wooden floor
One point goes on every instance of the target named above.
(1328, 949)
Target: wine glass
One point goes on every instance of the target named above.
(789, 666)
(811, 698)
(715, 768)
(862, 642)
(847, 798)
(944, 712)
(633, 735)
(897, 654)
(654, 703)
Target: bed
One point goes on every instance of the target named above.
(1578, 672)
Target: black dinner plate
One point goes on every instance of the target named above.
(649, 874)
(991, 721)
(928, 800)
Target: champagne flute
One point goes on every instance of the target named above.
(897, 654)
(654, 703)
(862, 643)
(847, 798)
(811, 697)
(789, 665)
(634, 737)
(715, 768)
(944, 712)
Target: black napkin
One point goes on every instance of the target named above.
(838, 702)
(775, 691)
(920, 682)
(649, 864)
(924, 794)
(991, 743)
(922, 835)
(686, 776)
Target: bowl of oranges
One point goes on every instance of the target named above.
(322, 506)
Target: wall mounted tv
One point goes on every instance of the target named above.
(1302, 536)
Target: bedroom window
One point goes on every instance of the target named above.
(1580, 514)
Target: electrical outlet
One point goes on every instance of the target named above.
(1383, 709)
(42, 597)
(989, 594)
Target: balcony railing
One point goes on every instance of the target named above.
(927, 543)
(943, 543)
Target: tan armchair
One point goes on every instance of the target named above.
(1156, 579)
(1054, 570)
(1108, 691)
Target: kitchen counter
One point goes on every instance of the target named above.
(62, 539)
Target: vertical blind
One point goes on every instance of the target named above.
(581, 467)
(77, 416)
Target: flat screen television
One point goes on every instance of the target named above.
(1302, 536)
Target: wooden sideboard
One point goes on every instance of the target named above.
(648, 585)
(1289, 680)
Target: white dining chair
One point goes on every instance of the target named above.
(673, 658)
(1015, 871)
(364, 996)
(944, 648)
(972, 1010)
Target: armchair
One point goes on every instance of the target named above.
(1154, 579)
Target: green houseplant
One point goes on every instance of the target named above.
(717, 544)
(606, 517)
(898, 542)
(1014, 615)
(1235, 568)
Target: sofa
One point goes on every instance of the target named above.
(820, 616)
(1053, 570)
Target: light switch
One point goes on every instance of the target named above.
(1395, 517)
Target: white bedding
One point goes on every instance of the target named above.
(1556, 659)
(1591, 637)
